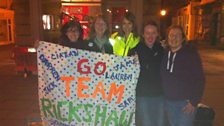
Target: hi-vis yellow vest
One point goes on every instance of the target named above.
(120, 47)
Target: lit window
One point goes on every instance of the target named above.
(48, 22)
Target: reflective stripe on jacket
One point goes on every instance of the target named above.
(120, 47)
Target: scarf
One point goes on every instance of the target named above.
(100, 42)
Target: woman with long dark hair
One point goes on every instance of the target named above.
(127, 38)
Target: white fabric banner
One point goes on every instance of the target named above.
(83, 88)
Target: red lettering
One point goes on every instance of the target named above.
(97, 66)
(80, 69)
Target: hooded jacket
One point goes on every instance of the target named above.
(149, 82)
(182, 75)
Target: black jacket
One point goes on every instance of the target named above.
(149, 82)
(65, 42)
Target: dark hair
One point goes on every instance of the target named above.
(152, 23)
(92, 33)
(72, 24)
(130, 17)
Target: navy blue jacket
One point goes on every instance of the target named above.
(182, 75)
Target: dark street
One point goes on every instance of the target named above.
(113, 27)
(19, 95)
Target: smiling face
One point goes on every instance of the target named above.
(127, 26)
(100, 27)
(72, 34)
(150, 35)
(175, 39)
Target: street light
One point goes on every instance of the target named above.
(163, 12)
(163, 18)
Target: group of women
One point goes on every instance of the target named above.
(99, 39)
(72, 36)
(171, 80)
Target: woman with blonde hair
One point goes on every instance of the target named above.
(182, 78)
(99, 36)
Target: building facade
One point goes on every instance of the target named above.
(6, 22)
(41, 19)
(203, 20)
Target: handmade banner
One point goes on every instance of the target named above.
(83, 88)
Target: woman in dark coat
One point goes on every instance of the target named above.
(72, 35)
(182, 78)
(149, 92)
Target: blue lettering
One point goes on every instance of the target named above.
(126, 103)
(49, 67)
(50, 87)
(53, 56)
(64, 54)
(118, 76)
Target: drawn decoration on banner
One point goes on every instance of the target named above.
(83, 88)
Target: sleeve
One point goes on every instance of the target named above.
(198, 78)
(108, 48)
(134, 51)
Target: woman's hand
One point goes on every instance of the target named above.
(36, 44)
(189, 108)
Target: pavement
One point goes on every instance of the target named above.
(213, 62)
(19, 96)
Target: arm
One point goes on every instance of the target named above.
(198, 78)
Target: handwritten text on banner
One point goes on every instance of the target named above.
(82, 88)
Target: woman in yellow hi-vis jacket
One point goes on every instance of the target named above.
(127, 38)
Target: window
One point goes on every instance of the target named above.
(48, 22)
(3, 30)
